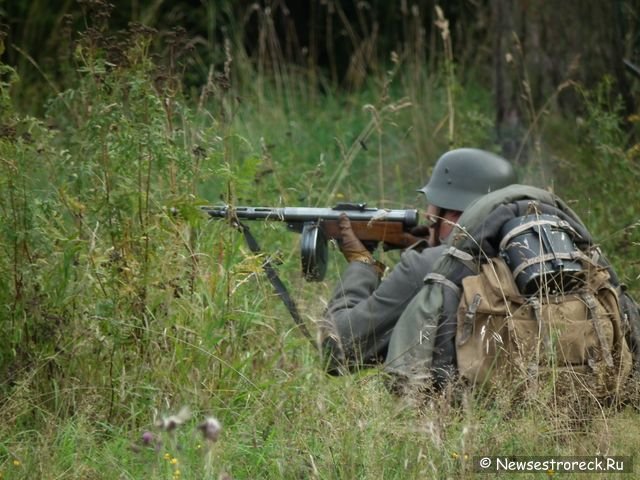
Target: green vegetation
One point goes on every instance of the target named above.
(120, 304)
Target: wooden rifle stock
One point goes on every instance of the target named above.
(392, 234)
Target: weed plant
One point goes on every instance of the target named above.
(121, 304)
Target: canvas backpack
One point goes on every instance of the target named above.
(574, 339)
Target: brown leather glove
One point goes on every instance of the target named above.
(350, 245)
(352, 248)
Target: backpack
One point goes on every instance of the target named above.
(575, 339)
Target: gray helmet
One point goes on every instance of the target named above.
(460, 176)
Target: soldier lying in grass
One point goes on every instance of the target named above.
(434, 317)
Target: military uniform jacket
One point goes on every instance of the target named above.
(363, 310)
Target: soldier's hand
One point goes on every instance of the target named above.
(350, 245)
(353, 249)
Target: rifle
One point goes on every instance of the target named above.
(317, 225)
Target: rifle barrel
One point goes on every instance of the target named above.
(299, 215)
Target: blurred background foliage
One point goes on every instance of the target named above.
(342, 43)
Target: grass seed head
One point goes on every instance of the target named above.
(172, 422)
(210, 429)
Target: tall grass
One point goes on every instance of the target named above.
(121, 304)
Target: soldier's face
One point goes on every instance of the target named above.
(440, 223)
(432, 215)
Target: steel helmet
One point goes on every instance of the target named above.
(460, 176)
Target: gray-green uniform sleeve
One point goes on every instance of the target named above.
(363, 311)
